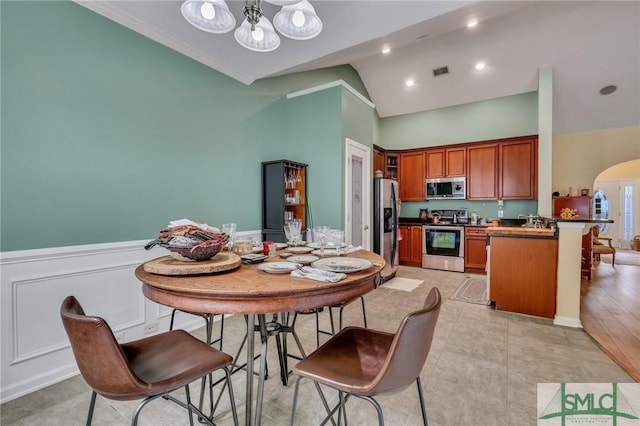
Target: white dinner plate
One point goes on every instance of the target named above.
(299, 250)
(327, 252)
(305, 259)
(280, 245)
(328, 245)
(342, 264)
(278, 267)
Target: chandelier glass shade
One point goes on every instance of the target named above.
(296, 19)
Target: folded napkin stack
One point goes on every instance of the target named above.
(318, 274)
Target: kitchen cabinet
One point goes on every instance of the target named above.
(392, 161)
(411, 176)
(582, 205)
(518, 169)
(379, 162)
(475, 249)
(284, 195)
(522, 274)
(482, 171)
(445, 162)
(410, 246)
(505, 169)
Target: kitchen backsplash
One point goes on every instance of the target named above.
(486, 209)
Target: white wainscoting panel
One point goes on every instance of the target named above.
(34, 349)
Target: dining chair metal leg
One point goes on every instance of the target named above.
(292, 330)
(421, 397)
(375, 404)
(208, 319)
(92, 405)
(364, 314)
(295, 401)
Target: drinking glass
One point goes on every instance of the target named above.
(295, 228)
(320, 236)
(287, 233)
(337, 237)
(230, 230)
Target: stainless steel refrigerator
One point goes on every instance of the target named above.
(385, 224)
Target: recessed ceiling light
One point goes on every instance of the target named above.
(386, 50)
(472, 23)
(607, 90)
(480, 66)
(409, 82)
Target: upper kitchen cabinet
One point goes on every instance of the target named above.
(392, 161)
(482, 171)
(505, 169)
(445, 162)
(411, 176)
(378, 162)
(518, 170)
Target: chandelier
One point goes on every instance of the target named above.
(296, 20)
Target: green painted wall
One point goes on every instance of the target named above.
(493, 119)
(107, 135)
(315, 138)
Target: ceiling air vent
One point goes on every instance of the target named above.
(440, 71)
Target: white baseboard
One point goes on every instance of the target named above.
(567, 322)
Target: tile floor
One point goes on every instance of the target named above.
(482, 370)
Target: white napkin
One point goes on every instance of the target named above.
(352, 249)
(182, 222)
(318, 274)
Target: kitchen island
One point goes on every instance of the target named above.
(522, 269)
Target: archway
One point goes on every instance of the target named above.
(619, 188)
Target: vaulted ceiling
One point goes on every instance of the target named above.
(588, 44)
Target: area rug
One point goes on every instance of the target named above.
(623, 257)
(472, 290)
(404, 284)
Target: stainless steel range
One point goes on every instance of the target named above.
(443, 242)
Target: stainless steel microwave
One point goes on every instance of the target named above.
(454, 188)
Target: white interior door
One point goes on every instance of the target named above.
(357, 194)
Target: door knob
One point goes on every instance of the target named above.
(366, 227)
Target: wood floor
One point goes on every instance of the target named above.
(610, 313)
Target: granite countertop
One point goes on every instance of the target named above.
(583, 220)
(498, 230)
(520, 230)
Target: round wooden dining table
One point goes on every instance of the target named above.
(250, 291)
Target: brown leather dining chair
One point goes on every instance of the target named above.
(364, 362)
(146, 369)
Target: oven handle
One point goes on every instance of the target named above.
(443, 228)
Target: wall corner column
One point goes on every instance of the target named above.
(568, 275)
(545, 140)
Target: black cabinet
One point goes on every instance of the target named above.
(284, 197)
